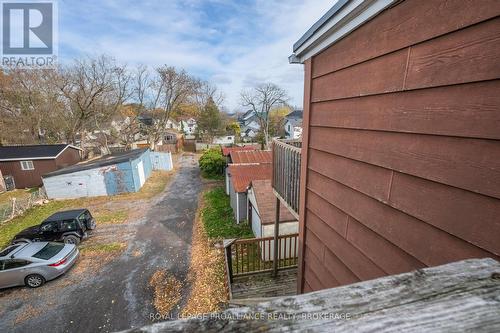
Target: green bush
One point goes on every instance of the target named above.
(212, 163)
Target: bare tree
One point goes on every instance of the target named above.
(92, 90)
(163, 93)
(28, 102)
(262, 99)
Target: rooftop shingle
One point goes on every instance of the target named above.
(243, 174)
(256, 156)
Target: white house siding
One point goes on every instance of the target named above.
(228, 181)
(288, 246)
(224, 140)
(239, 205)
(256, 226)
(86, 183)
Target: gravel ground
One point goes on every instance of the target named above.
(108, 292)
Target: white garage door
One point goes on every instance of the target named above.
(142, 177)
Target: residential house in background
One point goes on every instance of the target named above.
(293, 125)
(400, 159)
(173, 124)
(249, 125)
(226, 140)
(188, 126)
(27, 164)
(109, 175)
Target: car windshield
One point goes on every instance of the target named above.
(49, 250)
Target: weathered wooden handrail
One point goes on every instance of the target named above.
(457, 297)
(286, 172)
(255, 255)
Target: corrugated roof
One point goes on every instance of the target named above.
(243, 174)
(31, 152)
(103, 161)
(266, 202)
(227, 150)
(251, 156)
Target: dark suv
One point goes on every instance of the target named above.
(68, 226)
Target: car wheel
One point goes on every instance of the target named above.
(34, 280)
(71, 240)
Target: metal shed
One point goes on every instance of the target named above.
(109, 175)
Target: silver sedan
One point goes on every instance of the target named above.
(32, 264)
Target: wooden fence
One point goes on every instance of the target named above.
(255, 255)
(286, 172)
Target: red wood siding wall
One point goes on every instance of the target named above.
(402, 143)
(33, 178)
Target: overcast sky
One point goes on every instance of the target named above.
(234, 44)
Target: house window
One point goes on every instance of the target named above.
(27, 165)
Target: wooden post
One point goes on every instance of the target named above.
(13, 213)
(276, 237)
(229, 259)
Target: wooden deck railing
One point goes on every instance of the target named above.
(286, 172)
(255, 255)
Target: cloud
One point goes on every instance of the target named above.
(234, 44)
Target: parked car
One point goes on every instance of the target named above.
(70, 227)
(32, 264)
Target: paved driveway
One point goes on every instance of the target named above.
(118, 296)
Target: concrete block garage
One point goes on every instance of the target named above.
(109, 175)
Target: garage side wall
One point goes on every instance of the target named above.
(147, 166)
(87, 183)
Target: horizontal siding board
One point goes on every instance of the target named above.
(464, 214)
(463, 56)
(380, 75)
(466, 110)
(367, 178)
(307, 287)
(310, 277)
(317, 266)
(408, 23)
(314, 245)
(356, 261)
(334, 217)
(423, 241)
(386, 255)
(470, 164)
(338, 269)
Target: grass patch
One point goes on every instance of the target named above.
(34, 216)
(211, 176)
(218, 218)
(31, 217)
(6, 197)
(102, 248)
(155, 184)
(109, 217)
